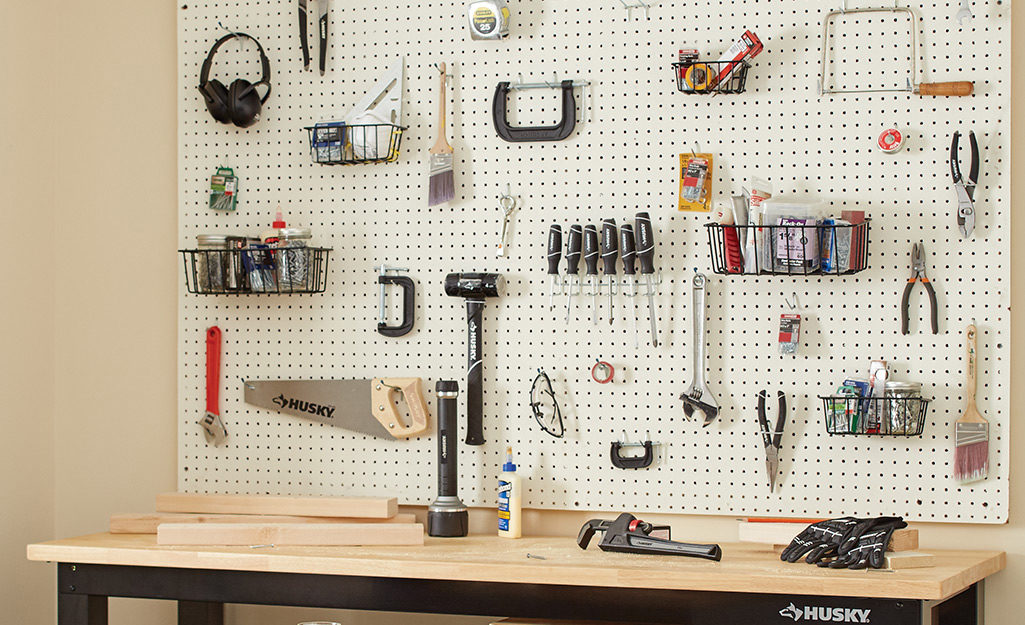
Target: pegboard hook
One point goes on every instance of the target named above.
(448, 76)
(793, 305)
(235, 34)
(640, 5)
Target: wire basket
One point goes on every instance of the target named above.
(709, 77)
(264, 270)
(823, 249)
(847, 415)
(336, 143)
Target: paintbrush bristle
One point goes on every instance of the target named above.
(971, 452)
(443, 187)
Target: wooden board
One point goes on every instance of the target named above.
(146, 523)
(362, 507)
(745, 567)
(288, 534)
(782, 533)
(909, 560)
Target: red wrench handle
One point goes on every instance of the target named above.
(213, 368)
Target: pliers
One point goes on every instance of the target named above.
(918, 273)
(772, 438)
(965, 187)
(322, 5)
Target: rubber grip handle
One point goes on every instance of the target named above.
(934, 312)
(448, 426)
(591, 249)
(303, 38)
(609, 249)
(323, 41)
(474, 372)
(554, 249)
(961, 88)
(408, 306)
(645, 243)
(904, 302)
(213, 368)
(573, 246)
(628, 249)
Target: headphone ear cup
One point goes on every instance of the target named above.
(244, 103)
(217, 102)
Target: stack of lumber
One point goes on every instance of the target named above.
(247, 520)
(901, 553)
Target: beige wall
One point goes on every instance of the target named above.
(83, 356)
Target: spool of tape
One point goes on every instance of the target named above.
(891, 140)
(697, 76)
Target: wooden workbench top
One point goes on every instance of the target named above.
(745, 567)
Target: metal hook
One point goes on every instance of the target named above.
(235, 34)
(697, 148)
(447, 75)
(630, 7)
(793, 306)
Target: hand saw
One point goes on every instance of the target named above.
(364, 406)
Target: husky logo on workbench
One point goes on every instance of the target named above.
(826, 614)
(305, 406)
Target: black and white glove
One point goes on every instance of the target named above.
(867, 547)
(819, 540)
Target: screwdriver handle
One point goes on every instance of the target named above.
(573, 249)
(554, 248)
(628, 247)
(645, 243)
(591, 249)
(609, 249)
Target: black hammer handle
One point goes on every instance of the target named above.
(448, 427)
(474, 372)
(591, 249)
(554, 249)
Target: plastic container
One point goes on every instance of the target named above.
(510, 498)
(794, 246)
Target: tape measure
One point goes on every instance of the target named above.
(890, 141)
(697, 76)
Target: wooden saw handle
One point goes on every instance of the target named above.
(961, 88)
(384, 407)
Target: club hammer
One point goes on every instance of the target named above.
(474, 287)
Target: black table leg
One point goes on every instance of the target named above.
(81, 609)
(200, 613)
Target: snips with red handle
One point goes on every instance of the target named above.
(213, 427)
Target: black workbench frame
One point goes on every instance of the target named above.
(83, 590)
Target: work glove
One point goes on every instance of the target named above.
(819, 540)
(867, 547)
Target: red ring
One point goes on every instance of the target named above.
(594, 372)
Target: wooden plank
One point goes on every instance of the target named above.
(782, 533)
(909, 560)
(291, 534)
(745, 567)
(146, 523)
(361, 507)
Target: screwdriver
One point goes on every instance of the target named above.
(572, 264)
(627, 247)
(646, 254)
(609, 252)
(591, 260)
(554, 256)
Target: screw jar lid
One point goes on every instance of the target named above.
(219, 240)
(295, 233)
(904, 386)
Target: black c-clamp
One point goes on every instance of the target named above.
(628, 534)
(536, 133)
(408, 305)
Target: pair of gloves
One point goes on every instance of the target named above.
(844, 543)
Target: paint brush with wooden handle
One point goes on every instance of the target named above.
(442, 182)
(971, 431)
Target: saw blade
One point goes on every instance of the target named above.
(346, 404)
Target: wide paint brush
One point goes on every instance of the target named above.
(442, 182)
(971, 431)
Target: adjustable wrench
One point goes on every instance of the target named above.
(698, 397)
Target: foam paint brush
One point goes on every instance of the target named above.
(971, 431)
(442, 183)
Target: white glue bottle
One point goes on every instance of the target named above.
(509, 499)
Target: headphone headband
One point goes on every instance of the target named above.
(204, 76)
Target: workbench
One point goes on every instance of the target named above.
(490, 576)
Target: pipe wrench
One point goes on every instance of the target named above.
(965, 187)
(323, 6)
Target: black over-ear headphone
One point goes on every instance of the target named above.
(238, 104)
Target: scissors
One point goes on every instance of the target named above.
(772, 438)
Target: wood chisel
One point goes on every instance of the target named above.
(609, 252)
(591, 260)
(365, 406)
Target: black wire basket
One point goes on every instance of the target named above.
(264, 270)
(847, 415)
(823, 249)
(710, 77)
(341, 144)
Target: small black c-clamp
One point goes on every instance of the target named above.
(628, 534)
(408, 302)
(558, 132)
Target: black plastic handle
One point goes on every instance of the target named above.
(537, 133)
(408, 306)
(628, 249)
(645, 243)
(554, 248)
(323, 41)
(632, 462)
(609, 246)
(591, 249)
(303, 38)
(573, 246)
(474, 372)
(448, 426)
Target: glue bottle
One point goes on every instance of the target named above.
(509, 499)
(271, 236)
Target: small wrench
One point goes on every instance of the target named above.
(965, 14)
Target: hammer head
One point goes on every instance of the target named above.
(475, 285)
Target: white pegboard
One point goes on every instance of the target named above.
(622, 158)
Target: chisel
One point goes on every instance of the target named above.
(591, 260)
(646, 255)
(554, 256)
(627, 248)
(609, 251)
(572, 264)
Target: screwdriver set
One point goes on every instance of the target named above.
(625, 244)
